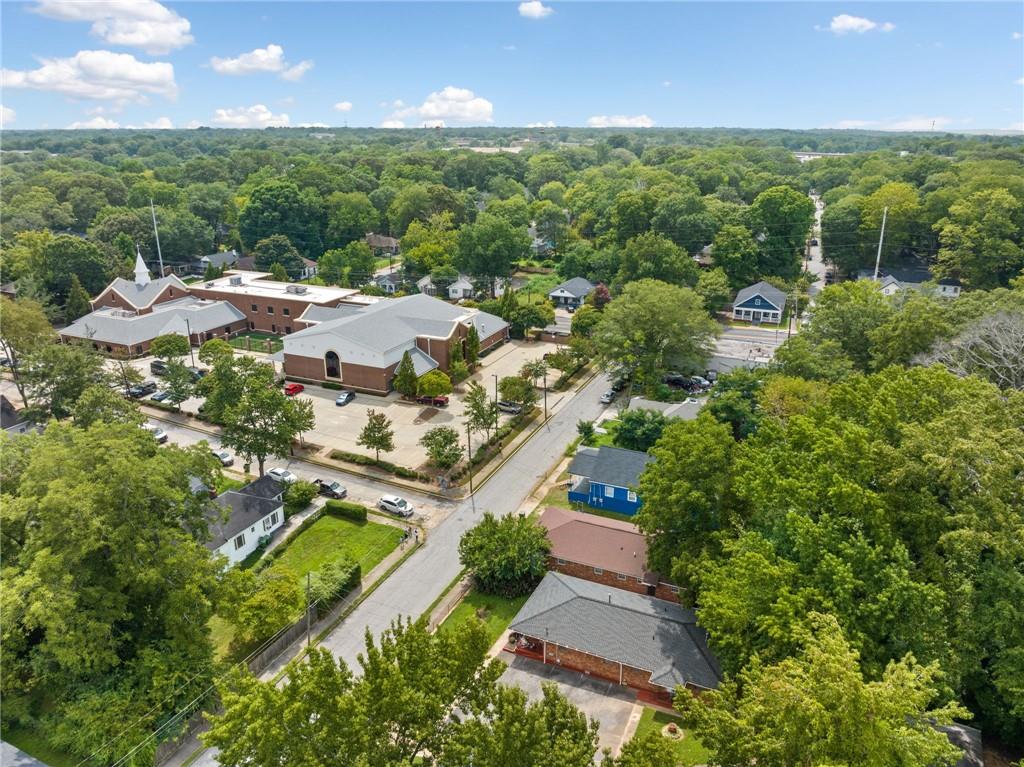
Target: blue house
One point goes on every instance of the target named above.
(603, 477)
(758, 303)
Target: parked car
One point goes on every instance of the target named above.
(282, 475)
(158, 434)
(620, 384)
(161, 395)
(158, 367)
(291, 389)
(711, 375)
(396, 505)
(608, 397)
(197, 373)
(676, 379)
(344, 398)
(141, 390)
(331, 488)
(814, 243)
(223, 456)
(439, 401)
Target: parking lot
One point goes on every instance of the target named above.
(338, 428)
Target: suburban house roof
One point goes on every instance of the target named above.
(224, 258)
(462, 283)
(763, 289)
(577, 287)
(378, 334)
(391, 278)
(10, 416)
(609, 465)
(639, 631)
(968, 739)
(245, 507)
(588, 539)
(141, 295)
(381, 241)
(117, 326)
(11, 756)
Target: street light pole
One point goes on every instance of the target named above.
(545, 395)
(469, 458)
(192, 354)
(495, 377)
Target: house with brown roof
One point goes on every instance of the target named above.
(603, 550)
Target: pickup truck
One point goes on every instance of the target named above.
(331, 488)
(439, 401)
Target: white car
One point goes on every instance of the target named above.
(282, 475)
(396, 505)
(223, 456)
(158, 434)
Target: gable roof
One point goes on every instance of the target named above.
(10, 416)
(381, 241)
(588, 539)
(765, 290)
(578, 287)
(245, 508)
(610, 465)
(224, 258)
(142, 295)
(264, 487)
(10, 756)
(116, 326)
(639, 631)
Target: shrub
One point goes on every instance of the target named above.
(333, 581)
(346, 510)
(507, 556)
(298, 496)
(332, 385)
(365, 460)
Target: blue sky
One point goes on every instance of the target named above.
(140, 63)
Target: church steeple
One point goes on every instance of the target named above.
(141, 272)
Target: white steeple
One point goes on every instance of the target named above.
(141, 272)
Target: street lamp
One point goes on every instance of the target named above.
(545, 394)
(191, 353)
(469, 459)
(495, 377)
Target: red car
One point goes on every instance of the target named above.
(291, 389)
(441, 401)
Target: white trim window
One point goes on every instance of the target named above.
(270, 522)
(609, 491)
(598, 571)
(560, 561)
(239, 541)
(631, 496)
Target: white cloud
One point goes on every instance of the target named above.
(392, 124)
(96, 123)
(667, 83)
(144, 24)
(548, 124)
(508, 47)
(100, 75)
(1020, 81)
(535, 9)
(160, 123)
(914, 123)
(449, 105)
(620, 121)
(7, 115)
(269, 59)
(343, 106)
(256, 116)
(844, 24)
(1016, 36)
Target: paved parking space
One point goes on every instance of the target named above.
(610, 704)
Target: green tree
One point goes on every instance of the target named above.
(77, 304)
(713, 287)
(735, 252)
(179, 383)
(278, 249)
(405, 377)
(377, 435)
(277, 208)
(66, 256)
(481, 411)
(518, 391)
(811, 709)
(840, 235)
(275, 601)
(683, 218)
(433, 384)
(262, 421)
(228, 379)
(781, 217)
(472, 346)
(171, 346)
(653, 750)
(848, 313)
(640, 429)
(101, 404)
(443, 447)
(24, 329)
(507, 555)
(586, 431)
(900, 203)
(534, 370)
(652, 328)
(981, 239)
(55, 376)
(278, 272)
(350, 215)
(917, 322)
(489, 246)
(651, 256)
(806, 357)
(215, 349)
(584, 321)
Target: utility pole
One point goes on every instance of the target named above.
(495, 377)
(191, 353)
(156, 234)
(881, 236)
(469, 459)
(308, 608)
(545, 395)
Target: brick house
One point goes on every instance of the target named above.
(361, 346)
(606, 551)
(648, 644)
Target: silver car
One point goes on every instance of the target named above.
(396, 505)
(223, 456)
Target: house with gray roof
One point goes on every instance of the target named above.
(638, 641)
(245, 518)
(362, 346)
(606, 478)
(223, 260)
(572, 292)
(760, 302)
(11, 756)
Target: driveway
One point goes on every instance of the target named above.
(610, 704)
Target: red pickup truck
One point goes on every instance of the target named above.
(441, 401)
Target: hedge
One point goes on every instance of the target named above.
(504, 434)
(566, 378)
(365, 460)
(346, 510)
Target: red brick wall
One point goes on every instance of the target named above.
(494, 339)
(610, 578)
(369, 379)
(599, 667)
(277, 322)
(112, 299)
(140, 350)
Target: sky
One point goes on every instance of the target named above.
(142, 63)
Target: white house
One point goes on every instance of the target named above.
(461, 288)
(572, 292)
(253, 512)
(759, 302)
(893, 281)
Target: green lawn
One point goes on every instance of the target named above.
(34, 744)
(259, 341)
(689, 750)
(499, 612)
(331, 538)
(605, 439)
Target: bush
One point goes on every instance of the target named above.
(332, 386)
(507, 556)
(332, 582)
(298, 496)
(346, 510)
(366, 460)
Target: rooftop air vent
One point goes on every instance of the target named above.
(296, 289)
(237, 280)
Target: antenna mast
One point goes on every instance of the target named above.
(156, 234)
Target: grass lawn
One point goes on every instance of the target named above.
(225, 483)
(557, 495)
(331, 538)
(689, 750)
(537, 288)
(258, 342)
(608, 439)
(33, 744)
(499, 612)
(383, 262)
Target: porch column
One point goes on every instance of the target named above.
(620, 672)
(544, 645)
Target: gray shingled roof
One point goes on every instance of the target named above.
(15, 757)
(246, 507)
(765, 290)
(115, 326)
(141, 296)
(224, 258)
(610, 465)
(577, 286)
(620, 626)
(317, 313)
